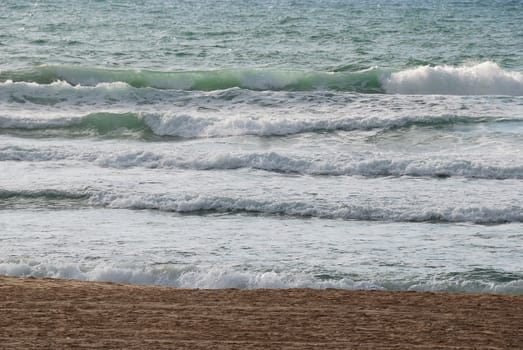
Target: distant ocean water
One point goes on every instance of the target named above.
(264, 144)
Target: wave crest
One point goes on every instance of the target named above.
(189, 126)
(485, 78)
(253, 79)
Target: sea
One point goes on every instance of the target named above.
(353, 144)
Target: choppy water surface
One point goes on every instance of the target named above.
(348, 144)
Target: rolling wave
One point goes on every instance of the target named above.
(203, 204)
(274, 162)
(95, 124)
(485, 78)
(188, 126)
(253, 79)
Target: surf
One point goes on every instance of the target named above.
(367, 81)
(148, 125)
(272, 162)
(224, 276)
(203, 204)
(485, 78)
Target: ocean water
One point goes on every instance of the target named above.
(264, 144)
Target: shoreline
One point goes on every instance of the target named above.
(54, 313)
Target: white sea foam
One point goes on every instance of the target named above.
(60, 92)
(227, 277)
(485, 78)
(35, 122)
(274, 162)
(170, 124)
(182, 277)
(346, 211)
(200, 126)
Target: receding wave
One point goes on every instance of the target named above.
(485, 78)
(188, 126)
(474, 281)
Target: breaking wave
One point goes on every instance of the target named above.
(485, 78)
(188, 126)
(253, 79)
(273, 162)
(198, 204)
(475, 281)
(202, 204)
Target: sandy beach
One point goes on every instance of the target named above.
(63, 314)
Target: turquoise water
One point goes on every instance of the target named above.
(347, 144)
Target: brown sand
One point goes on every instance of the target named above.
(58, 314)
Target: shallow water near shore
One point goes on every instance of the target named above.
(258, 251)
(346, 144)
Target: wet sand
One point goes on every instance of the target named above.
(60, 314)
